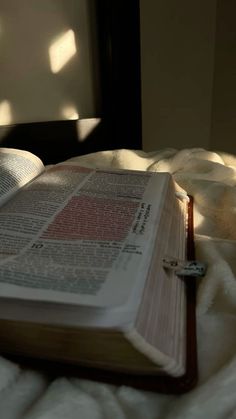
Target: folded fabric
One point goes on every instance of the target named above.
(211, 178)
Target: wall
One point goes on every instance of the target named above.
(177, 54)
(188, 65)
(46, 64)
(223, 130)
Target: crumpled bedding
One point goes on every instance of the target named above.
(211, 178)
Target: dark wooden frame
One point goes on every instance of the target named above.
(118, 27)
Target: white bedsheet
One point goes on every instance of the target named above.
(211, 178)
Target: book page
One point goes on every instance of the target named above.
(17, 168)
(80, 236)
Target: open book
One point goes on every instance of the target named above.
(86, 272)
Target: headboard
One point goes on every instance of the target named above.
(118, 121)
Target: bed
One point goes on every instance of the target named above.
(211, 178)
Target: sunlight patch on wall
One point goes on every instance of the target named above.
(70, 112)
(85, 127)
(5, 113)
(62, 50)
